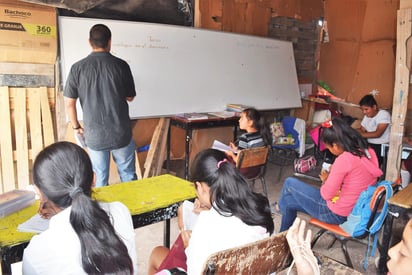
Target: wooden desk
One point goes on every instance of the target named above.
(397, 205)
(149, 200)
(190, 125)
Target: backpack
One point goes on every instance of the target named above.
(357, 221)
(304, 164)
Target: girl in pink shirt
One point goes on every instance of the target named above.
(355, 168)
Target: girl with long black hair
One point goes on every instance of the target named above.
(84, 236)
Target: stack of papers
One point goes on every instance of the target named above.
(236, 107)
(193, 116)
(224, 114)
(35, 224)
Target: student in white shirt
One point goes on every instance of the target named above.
(375, 125)
(237, 215)
(84, 236)
(232, 215)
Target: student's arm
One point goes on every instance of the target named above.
(130, 98)
(234, 157)
(338, 171)
(375, 134)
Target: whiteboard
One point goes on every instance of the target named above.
(182, 69)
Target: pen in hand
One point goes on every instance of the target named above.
(45, 210)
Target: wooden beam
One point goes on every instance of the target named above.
(400, 95)
(6, 145)
(26, 69)
(26, 74)
(157, 150)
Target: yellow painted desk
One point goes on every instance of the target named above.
(149, 201)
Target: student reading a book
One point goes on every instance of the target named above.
(354, 169)
(84, 236)
(237, 215)
(163, 258)
(257, 134)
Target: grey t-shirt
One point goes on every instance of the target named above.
(102, 82)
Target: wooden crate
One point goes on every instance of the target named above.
(27, 127)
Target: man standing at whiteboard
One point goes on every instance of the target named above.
(103, 83)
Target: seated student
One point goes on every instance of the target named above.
(375, 125)
(84, 236)
(257, 135)
(237, 215)
(163, 258)
(306, 264)
(355, 168)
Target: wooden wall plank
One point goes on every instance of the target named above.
(6, 146)
(13, 92)
(26, 69)
(47, 122)
(20, 127)
(36, 137)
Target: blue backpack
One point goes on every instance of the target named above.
(357, 222)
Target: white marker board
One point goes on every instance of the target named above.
(182, 69)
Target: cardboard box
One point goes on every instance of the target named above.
(28, 33)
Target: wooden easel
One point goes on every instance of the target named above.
(157, 151)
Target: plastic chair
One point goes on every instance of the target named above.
(252, 164)
(376, 204)
(285, 154)
(265, 256)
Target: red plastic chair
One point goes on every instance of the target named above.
(339, 234)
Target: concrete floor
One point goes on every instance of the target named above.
(150, 236)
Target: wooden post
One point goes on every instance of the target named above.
(400, 95)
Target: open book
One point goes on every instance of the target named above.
(189, 217)
(222, 147)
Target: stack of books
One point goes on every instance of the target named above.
(193, 116)
(238, 108)
(223, 114)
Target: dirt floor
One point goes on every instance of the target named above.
(151, 236)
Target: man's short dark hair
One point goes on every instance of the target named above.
(99, 36)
